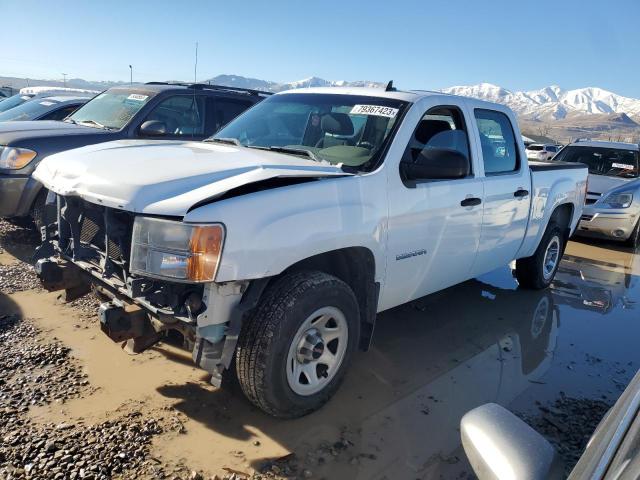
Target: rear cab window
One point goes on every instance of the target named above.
(498, 142)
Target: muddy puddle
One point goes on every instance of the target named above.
(398, 412)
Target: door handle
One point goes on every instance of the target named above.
(470, 202)
(521, 192)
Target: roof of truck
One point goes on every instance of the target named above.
(404, 95)
(408, 96)
(603, 144)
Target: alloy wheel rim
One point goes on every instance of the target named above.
(317, 351)
(551, 257)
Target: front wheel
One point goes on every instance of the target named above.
(294, 351)
(537, 271)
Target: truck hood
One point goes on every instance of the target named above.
(166, 177)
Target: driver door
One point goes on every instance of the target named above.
(434, 225)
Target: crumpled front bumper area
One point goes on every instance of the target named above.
(614, 225)
(89, 248)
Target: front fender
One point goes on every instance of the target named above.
(270, 230)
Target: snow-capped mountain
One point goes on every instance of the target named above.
(244, 82)
(553, 102)
(549, 103)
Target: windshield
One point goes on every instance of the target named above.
(535, 148)
(346, 129)
(28, 110)
(611, 162)
(111, 110)
(13, 101)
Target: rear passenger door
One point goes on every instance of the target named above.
(506, 191)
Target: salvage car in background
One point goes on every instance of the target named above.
(541, 152)
(286, 233)
(158, 111)
(30, 93)
(44, 108)
(500, 446)
(612, 209)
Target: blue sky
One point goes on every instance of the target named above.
(517, 44)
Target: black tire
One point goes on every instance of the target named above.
(530, 271)
(37, 209)
(634, 240)
(265, 339)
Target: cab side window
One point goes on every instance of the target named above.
(222, 110)
(61, 113)
(440, 136)
(182, 115)
(499, 147)
(441, 127)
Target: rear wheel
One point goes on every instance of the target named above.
(294, 352)
(634, 239)
(537, 271)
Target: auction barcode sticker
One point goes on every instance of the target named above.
(376, 110)
(624, 166)
(137, 97)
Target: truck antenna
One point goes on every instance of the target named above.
(195, 67)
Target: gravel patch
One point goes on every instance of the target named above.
(18, 277)
(86, 307)
(11, 234)
(568, 424)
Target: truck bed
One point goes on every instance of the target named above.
(544, 166)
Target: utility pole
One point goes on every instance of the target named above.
(64, 79)
(130, 75)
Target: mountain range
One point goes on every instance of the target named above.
(553, 102)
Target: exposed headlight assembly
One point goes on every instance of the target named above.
(618, 200)
(15, 158)
(175, 250)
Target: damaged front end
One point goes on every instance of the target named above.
(92, 245)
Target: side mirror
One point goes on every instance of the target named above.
(436, 164)
(153, 128)
(500, 446)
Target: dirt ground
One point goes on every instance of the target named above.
(67, 392)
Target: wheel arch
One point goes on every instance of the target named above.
(353, 265)
(563, 215)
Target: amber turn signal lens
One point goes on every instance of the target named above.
(205, 247)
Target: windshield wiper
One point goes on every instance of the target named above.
(229, 141)
(70, 120)
(292, 151)
(94, 123)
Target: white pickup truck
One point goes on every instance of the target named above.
(272, 246)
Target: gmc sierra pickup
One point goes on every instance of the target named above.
(275, 243)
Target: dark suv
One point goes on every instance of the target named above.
(163, 111)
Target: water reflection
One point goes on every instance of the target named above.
(472, 344)
(596, 285)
